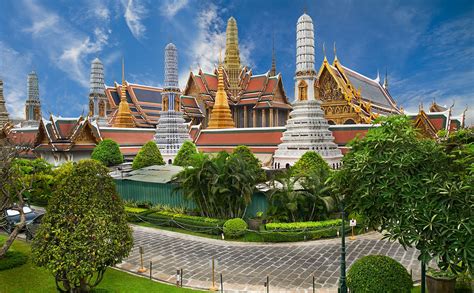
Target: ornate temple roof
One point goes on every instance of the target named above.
(145, 102)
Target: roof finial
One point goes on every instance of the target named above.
(324, 52)
(220, 58)
(377, 79)
(273, 69)
(123, 70)
(385, 81)
(335, 52)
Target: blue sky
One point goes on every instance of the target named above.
(427, 46)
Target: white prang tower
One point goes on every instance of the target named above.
(171, 131)
(97, 97)
(307, 129)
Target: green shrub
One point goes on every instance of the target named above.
(148, 155)
(309, 163)
(133, 210)
(235, 228)
(108, 153)
(13, 259)
(294, 236)
(378, 273)
(194, 223)
(185, 154)
(302, 226)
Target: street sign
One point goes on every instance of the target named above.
(352, 223)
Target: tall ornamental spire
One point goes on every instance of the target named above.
(221, 116)
(171, 130)
(3, 110)
(304, 44)
(33, 104)
(273, 70)
(97, 97)
(123, 118)
(232, 56)
(385, 81)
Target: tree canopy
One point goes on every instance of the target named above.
(414, 190)
(42, 177)
(85, 228)
(148, 155)
(185, 154)
(108, 153)
(246, 154)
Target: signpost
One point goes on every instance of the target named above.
(141, 269)
(352, 223)
(213, 264)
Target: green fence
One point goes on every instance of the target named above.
(164, 193)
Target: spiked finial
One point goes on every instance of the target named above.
(123, 70)
(377, 79)
(324, 52)
(385, 81)
(273, 69)
(335, 52)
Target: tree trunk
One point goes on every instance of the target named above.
(15, 232)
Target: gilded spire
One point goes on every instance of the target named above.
(335, 53)
(232, 56)
(123, 118)
(221, 116)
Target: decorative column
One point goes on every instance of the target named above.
(254, 117)
(245, 117)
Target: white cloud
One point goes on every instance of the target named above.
(134, 13)
(69, 49)
(170, 8)
(17, 65)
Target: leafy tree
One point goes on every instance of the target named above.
(108, 153)
(148, 155)
(411, 188)
(85, 228)
(221, 186)
(41, 175)
(246, 154)
(311, 163)
(185, 154)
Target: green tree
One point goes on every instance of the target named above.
(108, 153)
(84, 230)
(221, 186)
(411, 188)
(246, 154)
(41, 175)
(309, 164)
(185, 154)
(148, 155)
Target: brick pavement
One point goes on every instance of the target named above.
(244, 266)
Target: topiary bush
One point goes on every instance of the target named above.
(309, 163)
(108, 153)
(378, 273)
(185, 154)
(235, 228)
(13, 259)
(148, 155)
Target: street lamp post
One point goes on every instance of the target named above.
(342, 278)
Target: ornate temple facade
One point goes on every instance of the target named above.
(254, 100)
(307, 129)
(33, 103)
(171, 131)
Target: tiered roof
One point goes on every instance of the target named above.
(145, 103)
(256, 90)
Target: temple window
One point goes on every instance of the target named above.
(302, 91)
(349, 121)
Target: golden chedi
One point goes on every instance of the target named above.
(221, 116)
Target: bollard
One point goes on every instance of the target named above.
(141, 269)
(151, 266)
(267, 284)
(213, 287)
(181, 279)
(178, 277)
(314, 289)
(222, 284)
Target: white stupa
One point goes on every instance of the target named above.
(171, 131)
(306, 129)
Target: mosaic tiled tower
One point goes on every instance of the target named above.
(171, 131)
(3, 109)
(33, 103)
(232, 56)
(307, 129)
(97, 97)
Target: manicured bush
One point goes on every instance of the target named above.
(13, 259)
(185, 154)
(246, 154)
(134, 210)
(309, 163)
(193, 223)
(378, 273)
(108, 153)
(302, 226)
(235, 228)
(148, 155)
(293, 236)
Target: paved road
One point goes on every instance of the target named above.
(244, 266)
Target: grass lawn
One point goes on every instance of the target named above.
(30, 278)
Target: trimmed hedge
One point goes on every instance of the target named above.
(192, 223)
(302, 226)
(378, 273)
(134, 210)
(235, 228)
(13, 259)
(275, 236)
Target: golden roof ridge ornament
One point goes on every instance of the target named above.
(335, 54)
(324, 53)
